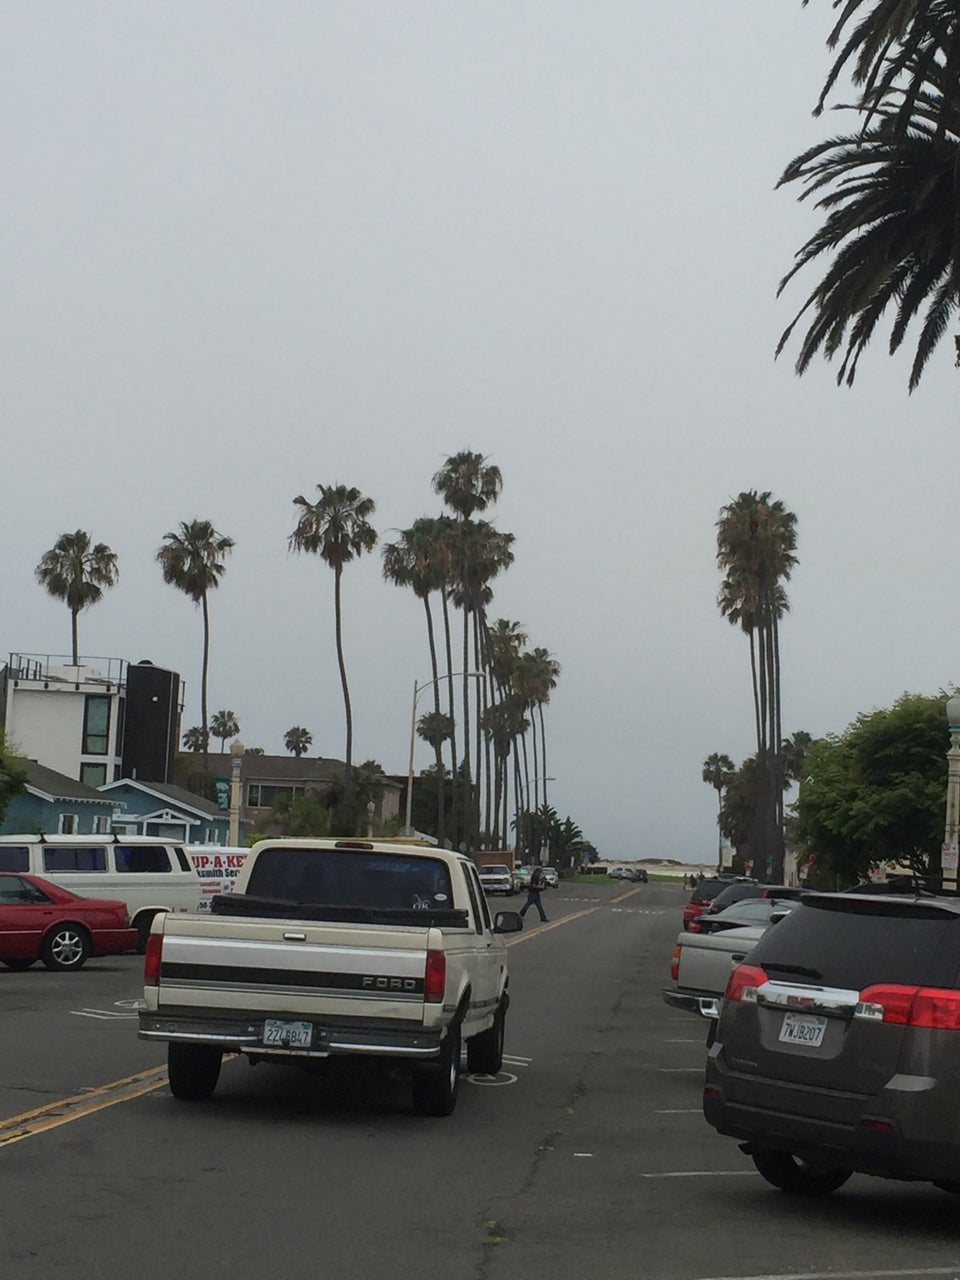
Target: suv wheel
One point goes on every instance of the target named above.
(802, 1177)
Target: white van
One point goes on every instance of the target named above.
(149, 875)
(218, 866)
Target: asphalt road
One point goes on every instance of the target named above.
(587, 1159)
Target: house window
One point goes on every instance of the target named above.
(74, 858)
(94, 775)
(101, 824)
(260, 796)
(96, 725)
(67, 825)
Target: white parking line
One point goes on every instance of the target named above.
(908, 1274)
(105, 1015)
(715, 1173)
(680, 1111)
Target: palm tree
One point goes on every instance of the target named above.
(756, 539)
(192, 560)
(435, 728)
(336, 527)
(194, 738)
(889, 196)
(546, 675)
(895, 44)
(297, 740)
(224, 725)
(718, 769)
(77, 573)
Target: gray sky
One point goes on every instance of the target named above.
(250, 247)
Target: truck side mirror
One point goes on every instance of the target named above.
(507, 922)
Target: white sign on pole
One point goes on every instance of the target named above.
(949, 856)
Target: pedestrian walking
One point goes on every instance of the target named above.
(534, 889)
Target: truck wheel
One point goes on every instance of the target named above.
(485, 1051)
(66, 946)
(435, 1086)
(802, 1177)
(194, 1070)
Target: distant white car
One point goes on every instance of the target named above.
(551, 877)
(496, 879)
(521, 878)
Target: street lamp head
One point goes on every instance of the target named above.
(953, 713)
(237, 748)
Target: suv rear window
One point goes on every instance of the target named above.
(851, 944)
(351, 878)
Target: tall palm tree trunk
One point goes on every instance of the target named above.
(437, 746)
(543, 752)
(203, 681)
(467, 799)
(347, 771)
(451, 711)
(74, 634)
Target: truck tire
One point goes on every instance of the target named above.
(193, 1070)
(485, 1051)
(435, 1086)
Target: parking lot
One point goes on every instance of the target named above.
(587, 1157)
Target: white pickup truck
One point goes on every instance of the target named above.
(335, 947)
(701, 965)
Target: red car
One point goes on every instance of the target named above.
(41, 921)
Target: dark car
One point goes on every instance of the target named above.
(838, 1046)
(749, 911)
(636, 874)
(740, 890)
(705, 893)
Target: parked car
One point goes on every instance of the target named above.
(749, 911)
(837, 1046)
(41, 921)
(740, 890)
(705, 892)
(616, 873)
(521, 877)
(701, 965)
(551, 876)
(496, 878)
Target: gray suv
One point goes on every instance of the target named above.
(838, 1046)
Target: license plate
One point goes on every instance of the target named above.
(803, 1028)
(288, 1035)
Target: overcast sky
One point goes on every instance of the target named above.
(251, 247)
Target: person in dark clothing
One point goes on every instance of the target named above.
(534, 888)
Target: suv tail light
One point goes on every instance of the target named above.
(937, 1008)
(435, 977)
(675, 964)
(151, 960)
(743, 983)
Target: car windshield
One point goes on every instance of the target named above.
(351, 878)
(494, 871)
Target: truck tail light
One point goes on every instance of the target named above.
(936, 1008)
(435, 977)
(151, 960)
(743, 983)
(675, 963)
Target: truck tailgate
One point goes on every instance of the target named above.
(299, 967)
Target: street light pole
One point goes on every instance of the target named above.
(417, 690)
(951, 832)
(236, 756)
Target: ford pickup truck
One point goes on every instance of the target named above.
(332, 948)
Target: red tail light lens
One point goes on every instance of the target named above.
(936, 1008)
(695, 926)
(743, 983)
(675, 964)
(151, 960)
(435, 977)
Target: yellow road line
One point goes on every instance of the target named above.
(628, 894)
(551, 924)
(29, 1123)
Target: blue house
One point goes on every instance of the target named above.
(165, 811)
(54, 804)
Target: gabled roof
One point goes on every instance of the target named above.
(179, 796)
(47, 784)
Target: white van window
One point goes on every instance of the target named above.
(14, 857)
(74, 858)
(142, 858)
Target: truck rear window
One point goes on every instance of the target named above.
(351, 878)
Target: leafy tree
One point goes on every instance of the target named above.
(336, 527)
(194, 738)
(192, 560)
(77, 572)
(13, 776)
(224, 725)
(718, 769)
(253, 751)
(876, 793)
(305, 816)
(756, 540)
(297, 740)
